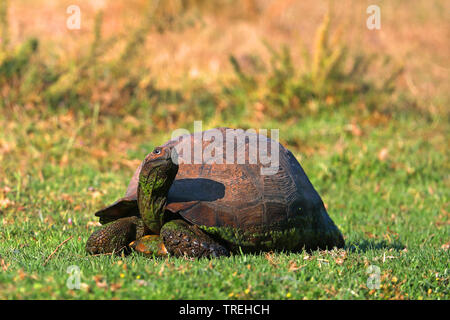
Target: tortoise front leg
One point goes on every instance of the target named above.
(115, 236)
(181, 238)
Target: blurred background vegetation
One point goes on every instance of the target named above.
(235, 63)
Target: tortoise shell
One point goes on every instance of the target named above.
(211, 193)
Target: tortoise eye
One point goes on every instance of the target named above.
(157, 151)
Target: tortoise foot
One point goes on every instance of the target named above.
(114, 237)
(150, 245)
(183, 239)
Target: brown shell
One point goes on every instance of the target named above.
(235, 195)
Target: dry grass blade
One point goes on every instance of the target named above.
(294, 267)
(270, 257)
(54, 251)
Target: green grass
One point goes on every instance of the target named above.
(393, 213)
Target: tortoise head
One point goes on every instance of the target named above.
(158, 172)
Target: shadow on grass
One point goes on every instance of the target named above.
(367, 245)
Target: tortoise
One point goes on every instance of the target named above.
(212, 209)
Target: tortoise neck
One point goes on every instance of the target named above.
(152, 213)
(152, 198)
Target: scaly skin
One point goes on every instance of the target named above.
(155, 179)
(182, 239)
(115, 236)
